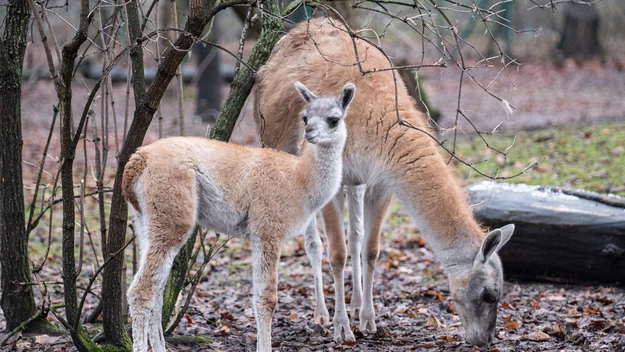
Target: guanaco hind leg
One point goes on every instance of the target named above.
(145, 295)
(160, 238)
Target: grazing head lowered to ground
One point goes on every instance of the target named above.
(262, 195)
(382, 158)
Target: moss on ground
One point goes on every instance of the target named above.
(590, 157)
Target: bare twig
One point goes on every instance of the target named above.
(31, 212)
(95, 276)
(213, 250)
(20, 327)
(44, 41)
(179, 83)
(246, 25)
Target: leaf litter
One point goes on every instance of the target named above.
(412, 302)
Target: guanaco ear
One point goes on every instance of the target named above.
(347, 95)
(506, 234)
(493, 243)
(305, 92)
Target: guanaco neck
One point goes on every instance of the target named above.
(322, 171)
(427, 186)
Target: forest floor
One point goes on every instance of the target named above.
(411, 294)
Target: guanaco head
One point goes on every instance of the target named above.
(476, 288)
(323, 116)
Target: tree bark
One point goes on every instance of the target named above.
(245, 77)
(68, 152)
(69, 142)
(209, 83)
(579, 38)
(112, 286)
(17, 300)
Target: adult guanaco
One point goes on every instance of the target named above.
(382, 158)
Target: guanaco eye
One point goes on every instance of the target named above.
(489, 297)
(305, 118)
(333, 121)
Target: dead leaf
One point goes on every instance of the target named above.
(433, 322)
(189, 319)
(556, 298)
(224, 331)
(23, 345)
(46, 339)
(293, 316)
(394, 254)
(557, 330)
(437, 295)
(425, 345)
(592, 311)
(249, 338)
(601, 324)
(421, 242)
(538, 336)
(510, 324)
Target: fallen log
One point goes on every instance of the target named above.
(561, 235)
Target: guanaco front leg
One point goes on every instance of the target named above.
(355, 199)
(265, 258)
(375, 205)
(314, 252)
(333, 220)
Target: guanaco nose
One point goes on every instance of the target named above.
(309, 129)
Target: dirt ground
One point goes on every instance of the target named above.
(411, 294)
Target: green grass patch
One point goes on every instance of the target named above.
(590, 157)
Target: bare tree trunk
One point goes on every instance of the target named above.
(17, 300)
(68, 153)
(579, 38)
(244, 80)
(69, 142)
(113, 275)
(209, 83)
